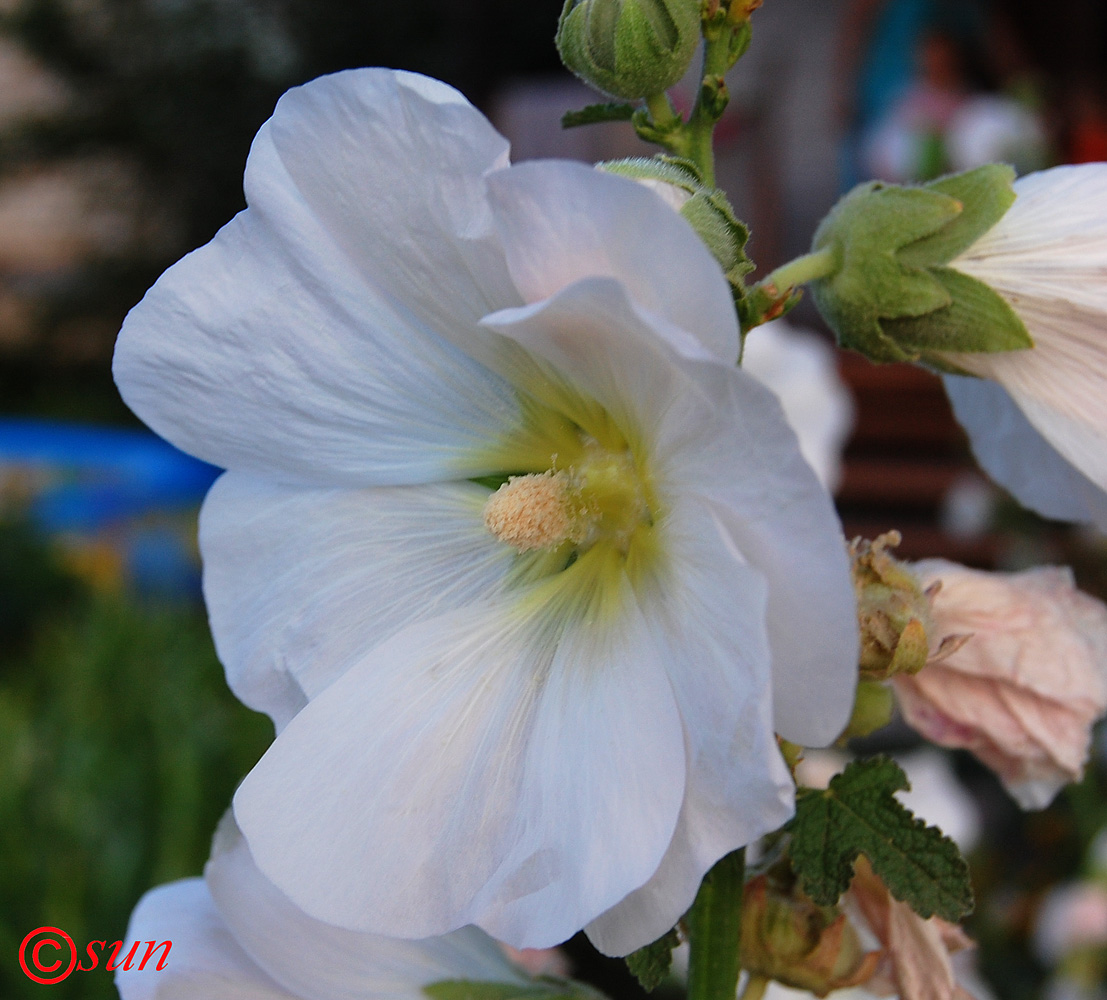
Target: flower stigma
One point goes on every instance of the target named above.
(600, 497)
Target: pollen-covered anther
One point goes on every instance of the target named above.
(533, 512)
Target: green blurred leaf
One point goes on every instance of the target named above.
(650, 965)
(593, 114)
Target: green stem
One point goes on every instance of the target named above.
(809, 267)
(714, 928)
(661, 111)
(755, 988)
(702, 121)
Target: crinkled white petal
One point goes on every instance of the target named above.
(318, 961)
(205, 961)
(1019, 458)
(490, 766)
(713, 430)
(393, 165)
(305, 350)
(300, 584)
(560, 222)
(709, 618)
(800, 369)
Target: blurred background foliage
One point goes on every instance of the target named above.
(120, 746)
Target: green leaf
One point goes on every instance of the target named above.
(986, 194)
(977, 319)
(650, 965)
(538, 989)
(858, 814)
(593, 114)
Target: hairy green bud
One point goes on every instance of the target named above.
(629, 48)
(895, 293)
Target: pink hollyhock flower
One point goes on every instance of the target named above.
(1023, 692)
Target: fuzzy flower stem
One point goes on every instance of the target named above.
(661, 110)
(809, 267)
(708, 107)
(714, 926)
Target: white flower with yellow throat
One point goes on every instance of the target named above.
(527, 573)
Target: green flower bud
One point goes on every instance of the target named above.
(893, 294)
(629, 48)
(706, 209)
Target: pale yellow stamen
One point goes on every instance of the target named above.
(532, 512)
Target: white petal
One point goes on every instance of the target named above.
(204, 959)
(277, 349)
(800, 368)
(393, 165)
(301, 584)
(488, 767)
(1061, 384)
(1049, 245)
(1019, 458)
(317, 961)
(709, 619)
(713, 430)
(561, 221)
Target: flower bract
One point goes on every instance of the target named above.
(530, 710)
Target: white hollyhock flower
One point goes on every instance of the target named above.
(234, 936)
(1048, 258)
(531, 710)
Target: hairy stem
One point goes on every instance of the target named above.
(714, 927)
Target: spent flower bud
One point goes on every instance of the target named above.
(893, 610)
(787, 937)
(629, 48)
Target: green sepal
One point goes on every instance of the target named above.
(629, 48)
(594, 114)
(650, 965)
(545, 988)
(707, 210)
(977, 319)
(985, 193)
(859, 814)
(891, 295)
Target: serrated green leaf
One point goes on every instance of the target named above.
(859, 814)
(593, 114)
(977, 319)
(650, 965)
(538, 989)
(986, 194)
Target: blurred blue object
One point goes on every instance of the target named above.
(120, 501)
(90, 477)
